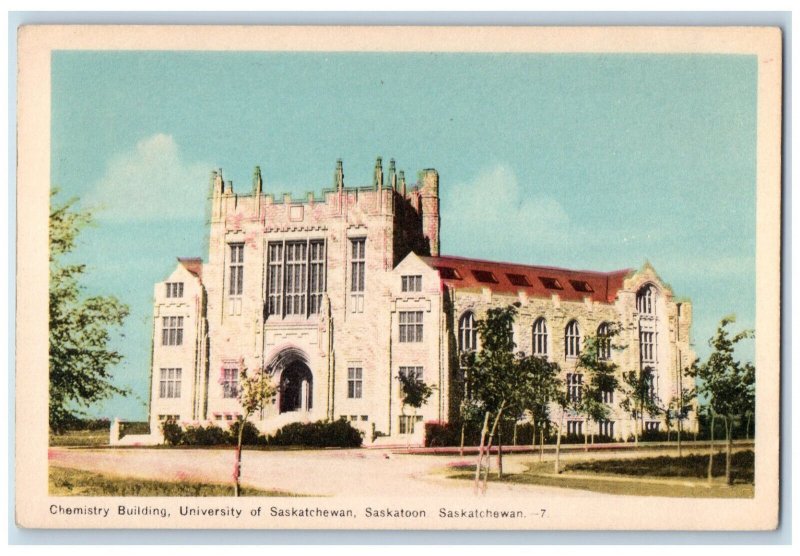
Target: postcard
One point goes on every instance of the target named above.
(517, 278)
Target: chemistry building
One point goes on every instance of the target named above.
(338, 294)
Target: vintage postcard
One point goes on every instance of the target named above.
(398, 277)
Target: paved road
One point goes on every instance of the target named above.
(321, 472)
(314, 472)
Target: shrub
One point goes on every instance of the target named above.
(211, 435)
(250, 434)
(321, 434)
(173, 433)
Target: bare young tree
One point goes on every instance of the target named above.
(255, 392)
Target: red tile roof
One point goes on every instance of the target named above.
(569, 285)
(193, 265)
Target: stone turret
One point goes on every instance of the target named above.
(377, 181)
(338, 176)
(429, 205)
(257, 181)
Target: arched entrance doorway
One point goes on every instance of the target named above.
(296, 388)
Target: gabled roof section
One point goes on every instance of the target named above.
(536, 281)
(193, 265)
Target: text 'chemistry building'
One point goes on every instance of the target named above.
(337, 295)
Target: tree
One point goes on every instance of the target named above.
(595, 363)
(80, 357)
(726, 385)
(414, 391)
(537, 391)
(678, 410)
(639, 397)
(255, 392)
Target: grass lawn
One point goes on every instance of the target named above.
(80, 438)
(655, 476)
(689, 466)
(74, 482)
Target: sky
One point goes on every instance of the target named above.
(586, 161)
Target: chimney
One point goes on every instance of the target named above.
(219, 183)
(402, 178)
(229, 187)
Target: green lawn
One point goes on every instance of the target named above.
(655, 476)
(73, 482)
(80, 438)
(689, 466)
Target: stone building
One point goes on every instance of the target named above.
(337, 295)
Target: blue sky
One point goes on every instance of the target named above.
(576, 160)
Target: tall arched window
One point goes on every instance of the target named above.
(467, 332)
(646, 300)
(572, 339)
(604, 341)
(540, 338)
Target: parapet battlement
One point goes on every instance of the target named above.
(427, 185)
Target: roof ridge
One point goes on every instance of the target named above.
(555, 268)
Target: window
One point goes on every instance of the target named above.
(174, 289)
(411, 283)
(412, 373)
(572, 339)
(170, 385)
(575, 428)
(467, 332)
(274, 278)
(354, 382)
(316, 276)
(606, 428)
(540, 338)
(608, 396)
(236, 270)
(645, 300)
(172, 331)
(406, 423)
(581, 286)
(484, 276)
(230, 382)
(518, 280)
(295, 277)
(574, 387)
(550, 283)
(448, 273)
(357, 268)
(173, 418)
(235, 278)
(410, 326)
(650, 385)
(604, 341)
(647, 344)
(652, 426)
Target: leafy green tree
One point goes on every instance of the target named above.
(414, 392)
(639, 398)
(677, 412)
(727, 386)
(494, 377)
(255, 392)
(80, 357)
(537, 391)
(600, 374)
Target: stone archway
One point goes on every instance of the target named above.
(296, 388)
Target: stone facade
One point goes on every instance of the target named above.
(338, 295)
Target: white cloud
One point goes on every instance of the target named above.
(495, 207)
(151, 182)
